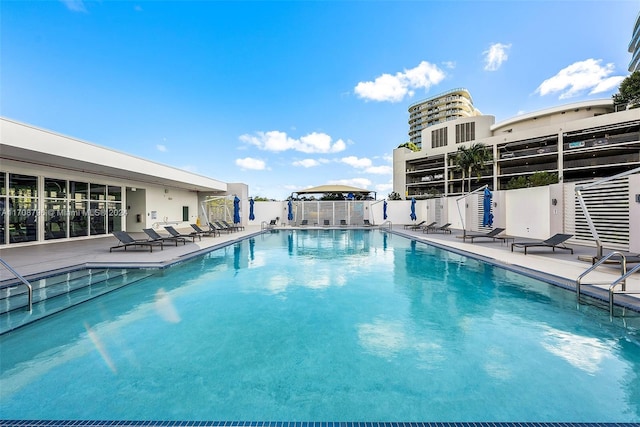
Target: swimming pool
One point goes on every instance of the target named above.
(325, 325)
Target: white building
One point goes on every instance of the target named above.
(576, 141)
(54, 187)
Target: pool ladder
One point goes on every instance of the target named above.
(622, 280)
(24, 282)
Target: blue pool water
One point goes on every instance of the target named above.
(326, 325)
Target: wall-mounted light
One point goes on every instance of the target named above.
(637, 198)
(554, 202)
(495, 204)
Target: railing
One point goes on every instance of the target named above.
(622, 279)
(387, 224)
(24, 281)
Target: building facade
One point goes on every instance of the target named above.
(53, 188)
(451, 105)
(576, 141)
(634, 47)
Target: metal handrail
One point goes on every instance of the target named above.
(623, 266)
(23, 280)
(622, 279)
(387, 224)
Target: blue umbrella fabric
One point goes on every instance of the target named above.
(413, 209)
(236, 210)
(251, 215)
(290, 214)
(487, 217)
(384, 210)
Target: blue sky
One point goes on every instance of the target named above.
(285, 95)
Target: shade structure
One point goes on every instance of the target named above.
(384, 210)
(487, 216)
(251, 214)
(413, 209)
(290, 208)
(236, 210)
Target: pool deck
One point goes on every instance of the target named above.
(559, 267)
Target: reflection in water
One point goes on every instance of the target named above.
(585, 353)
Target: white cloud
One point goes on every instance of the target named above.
(580, 77)
(279, 141)
(380, 170)
(251, 163)
(356, 162)
(366, 165)
(384, 188)
(449, 64)
(75, 5)
(161, 147)
(306, 163)
(353, 182)
(495, 56)
(394, 88)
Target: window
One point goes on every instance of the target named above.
(465, 132)
(439, 138)
(55, 205)
(23, 205)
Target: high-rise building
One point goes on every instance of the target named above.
(451, 105)
(634, 47)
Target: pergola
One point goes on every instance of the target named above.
(345, 190)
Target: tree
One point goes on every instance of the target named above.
(472, 160)
(410, 145)
(394, 196)
(629, 92)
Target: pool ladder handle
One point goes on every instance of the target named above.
(622, 280)
(24, 282)
(387, 224)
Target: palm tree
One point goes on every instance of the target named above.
(472, 160)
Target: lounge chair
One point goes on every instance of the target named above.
(125, 240)
(224, 227)
(490, 235)
(236, 226)
(176, 233)
(444, 228)
(304, 223)
(155, 237)
(326, 223)
(272, 224)
(414, 226)
(201, 232)
(218, 228)
(427, 227)
(553, 242)
(367, 223)
(629, 258)
(343, 223)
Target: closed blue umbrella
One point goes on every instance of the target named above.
(290, 214)
(487, 217)
(384, 210)
(251, 215)
(236, 210)
(413, 209)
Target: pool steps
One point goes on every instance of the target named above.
(56, 293)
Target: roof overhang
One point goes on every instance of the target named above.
(323, 189)
(30, 145)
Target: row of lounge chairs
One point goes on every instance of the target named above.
(154, 239)
(433, 227)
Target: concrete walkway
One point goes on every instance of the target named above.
(559, 267)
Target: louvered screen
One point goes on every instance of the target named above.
(608, 206)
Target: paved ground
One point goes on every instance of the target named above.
(559, 266)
